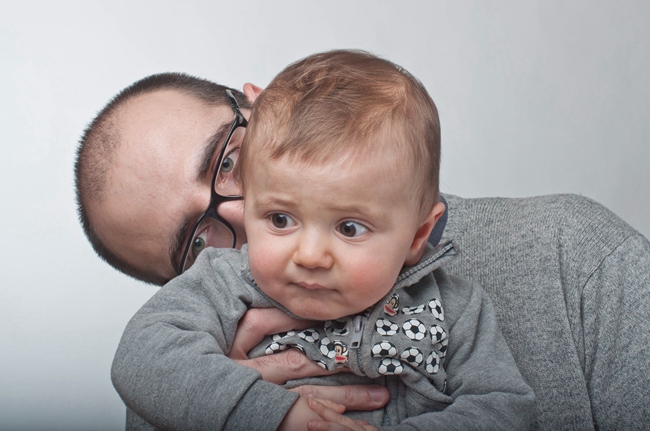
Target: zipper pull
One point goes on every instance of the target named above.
(358, 324)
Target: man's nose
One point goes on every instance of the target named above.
(313, 251)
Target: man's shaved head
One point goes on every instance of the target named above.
(97, 151)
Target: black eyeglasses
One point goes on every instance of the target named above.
(212, 230)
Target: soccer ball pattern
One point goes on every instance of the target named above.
(436, 309)
(383, 349)
(298, 347)
(413, 310)
(386, 327)
(390, 367)
(309, 335)
(412, 339)
(412, 356)
(442, 347)
(338, 328)
(279, 336)
(275, 347)
(432, 364)
(327, 348)
(438, 334)
(414, 329)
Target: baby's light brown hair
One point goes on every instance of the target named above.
(347, 103)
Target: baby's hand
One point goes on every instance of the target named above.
(333, 420)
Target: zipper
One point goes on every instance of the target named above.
(358, 325)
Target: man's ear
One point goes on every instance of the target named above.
(251, 91)
(422, 234)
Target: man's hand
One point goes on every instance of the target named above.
(257, 323)
(291, 364)
(284, 366)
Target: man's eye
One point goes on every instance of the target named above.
(224, 183)
(281, 221)
(198, 243)
(351, 229)
(229, 162)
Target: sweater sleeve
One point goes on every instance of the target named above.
(616, 325)
(170, 367)
(483, 380)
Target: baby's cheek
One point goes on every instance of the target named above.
(371, 280)
(261, 265)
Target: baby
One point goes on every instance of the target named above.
(339, 170)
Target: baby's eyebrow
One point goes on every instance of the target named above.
(209, 149)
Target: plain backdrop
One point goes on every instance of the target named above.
(535, 97)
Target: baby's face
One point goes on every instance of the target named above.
(329, 240)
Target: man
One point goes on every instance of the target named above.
(572, 305)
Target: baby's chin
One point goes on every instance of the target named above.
(323, 315)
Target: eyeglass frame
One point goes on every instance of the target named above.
(215, 198)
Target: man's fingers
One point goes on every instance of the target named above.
(284, 366)
(259, 322)
(352, 397)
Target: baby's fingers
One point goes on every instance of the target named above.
(334, 421)
(336, 407)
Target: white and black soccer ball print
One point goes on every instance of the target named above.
(298, 347)
(390, 366)
(438, 334)
(432, 364)
(275, 347)
(412, 356)
(383, 349)
(442, 347)
(338, 328)
(327, 348)
(436, 309)
(280, 335)
(414, 329)
(309, 335)
(413, 310)
(385, 327)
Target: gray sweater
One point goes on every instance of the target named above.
(570, 283)
(465, 379)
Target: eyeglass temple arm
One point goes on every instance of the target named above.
(235, 106)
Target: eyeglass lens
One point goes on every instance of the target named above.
(224, 182)
(210, 232)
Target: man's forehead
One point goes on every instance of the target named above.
(165, 108)
(153, 183)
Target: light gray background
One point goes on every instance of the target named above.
(535, 97)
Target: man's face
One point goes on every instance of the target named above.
(329, 240)
(159, 179)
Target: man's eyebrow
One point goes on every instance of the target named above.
(209, 149)
(178, 245)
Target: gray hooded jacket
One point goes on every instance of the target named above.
(171, 368)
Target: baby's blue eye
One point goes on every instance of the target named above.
(352, 229)
(281, 221)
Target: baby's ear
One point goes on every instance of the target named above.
(422, 234)
(251, 91)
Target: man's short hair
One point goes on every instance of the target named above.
(97, 146)
(344, 102)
